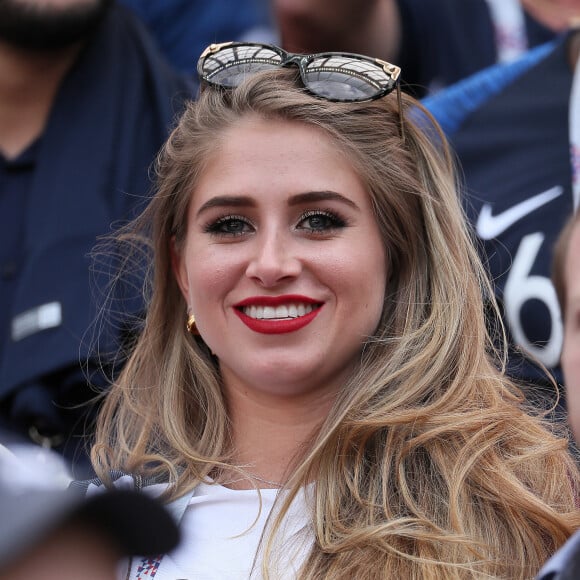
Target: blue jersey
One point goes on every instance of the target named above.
(509, 127)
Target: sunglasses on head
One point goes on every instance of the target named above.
(334, 76)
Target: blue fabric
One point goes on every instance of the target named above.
(110, 117)
(15, 178)
(183, 28)
(509, 128)
(454, 105)
(445, 41)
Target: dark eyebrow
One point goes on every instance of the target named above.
(313, 196)
(298, 199)
(227, 201)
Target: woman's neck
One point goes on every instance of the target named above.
(270, 432)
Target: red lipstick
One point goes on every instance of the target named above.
(277, 325)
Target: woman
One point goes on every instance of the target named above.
(335, 353)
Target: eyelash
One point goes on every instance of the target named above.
(333, 221)
(216, 227)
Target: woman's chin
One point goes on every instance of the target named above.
(288, 380)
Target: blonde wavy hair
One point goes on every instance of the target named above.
(429, 465)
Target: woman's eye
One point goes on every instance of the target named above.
(229, 226)
(320, 221)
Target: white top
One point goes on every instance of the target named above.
(221, 530)
(510, 28)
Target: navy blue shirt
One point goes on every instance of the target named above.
(111, 114)
(509, 127)
(15, 181)
(445, 41)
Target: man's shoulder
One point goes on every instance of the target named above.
(475, 95)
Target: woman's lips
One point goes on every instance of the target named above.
(277, 314)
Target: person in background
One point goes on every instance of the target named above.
(565, 564)
(517, 142)
(435, 42)
(183, 28)
(86, 101)
(315, 390)
(50, 533)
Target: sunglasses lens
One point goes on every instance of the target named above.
(231, 65)
(343, 78)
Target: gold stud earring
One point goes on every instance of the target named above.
(191, 326)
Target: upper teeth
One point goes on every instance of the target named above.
(289, 311)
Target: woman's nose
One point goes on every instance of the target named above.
(274, 260)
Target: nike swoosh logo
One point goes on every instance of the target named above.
(490, 226)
